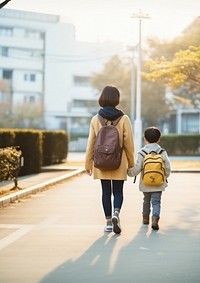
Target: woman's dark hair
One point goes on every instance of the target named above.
(152, 134)
(109, 96)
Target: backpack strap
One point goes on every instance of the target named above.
(103, 122)
(161, 151)
(142, 153)
(114, 123)
(153, 151)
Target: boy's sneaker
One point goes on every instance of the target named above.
(116, 224)
(108, 227)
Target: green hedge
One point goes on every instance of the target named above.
(7, 138)
(39, 148)
(181, 144)
(55, 147)
(30, 142)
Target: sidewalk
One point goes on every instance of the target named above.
(50, 175)
(56, 236)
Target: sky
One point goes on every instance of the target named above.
(111, 20)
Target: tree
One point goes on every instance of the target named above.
(172, 63)
(23, 116)
(176, 64)
(183, 71)
(19, 116)
(154, 106)
(6, 100)
(115, 72)
(189, 37)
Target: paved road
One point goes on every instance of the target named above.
(56, 236)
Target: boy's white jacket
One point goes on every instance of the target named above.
(134, 171)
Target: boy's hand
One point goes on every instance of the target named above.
(129, 172)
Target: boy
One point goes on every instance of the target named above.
(152, 193)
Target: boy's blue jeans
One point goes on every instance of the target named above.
(152, 199)
(110, 187)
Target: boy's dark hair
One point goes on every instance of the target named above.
(109, 96)
(152, 134)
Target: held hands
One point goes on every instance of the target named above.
(130, 172)
(89, 172)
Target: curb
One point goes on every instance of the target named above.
(185, 171)
(36, 188)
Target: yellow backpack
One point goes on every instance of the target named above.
(153, 171)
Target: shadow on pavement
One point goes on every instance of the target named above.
(165, 256)
(92, 265)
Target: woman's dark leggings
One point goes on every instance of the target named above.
(110, 187)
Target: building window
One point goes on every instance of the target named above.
(81, 81)
(6, 31)
(29, 99)
(77, 103)
(33, 34)
(30, 77)
(32, 99)
(4, 51)
(7, 74)
(190, 123)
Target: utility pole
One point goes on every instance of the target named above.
(132, 101)
(138, 122)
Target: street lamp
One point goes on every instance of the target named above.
(138, 122)
(132, 106)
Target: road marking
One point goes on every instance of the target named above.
(49, 222)
(23, 229)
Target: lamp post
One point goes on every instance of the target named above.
(132, 106)
(138, 122)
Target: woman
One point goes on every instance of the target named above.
(112, 181)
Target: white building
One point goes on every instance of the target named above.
(46, 66)
(184, 118)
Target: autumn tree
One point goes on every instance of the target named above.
(117, 71)
(176, 64)
(154, 106)
(183, 72)
(173, 64)
(6, 101)
(23, 116)
(26, 115)
(189, 37)
(29, 116)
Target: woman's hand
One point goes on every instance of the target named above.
(89, 172)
